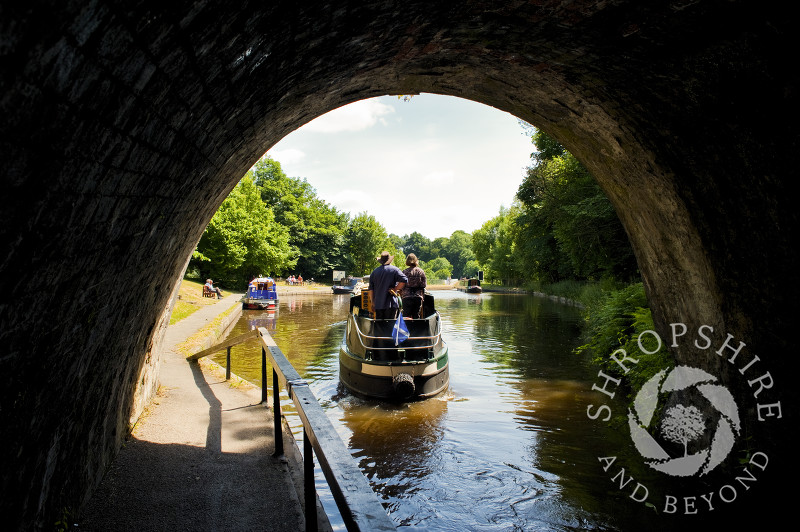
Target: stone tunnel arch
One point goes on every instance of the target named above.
(126, 126)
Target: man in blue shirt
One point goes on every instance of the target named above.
(382, 279)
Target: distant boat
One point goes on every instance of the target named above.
(471, 286)
(352, 285)
(261, 294)
(373, 364)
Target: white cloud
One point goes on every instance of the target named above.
(439, 178)
(436, 164)
(287, 156)
(352, 201)
(357, 116)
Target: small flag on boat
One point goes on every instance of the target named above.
(400, 332)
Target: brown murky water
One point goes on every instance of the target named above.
(507, 447)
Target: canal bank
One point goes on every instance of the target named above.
(200, 457)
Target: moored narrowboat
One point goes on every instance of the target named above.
(261, 294)
(373, 363)
(472, 286)
(351, 285)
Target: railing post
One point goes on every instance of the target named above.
(309, 487)
(228, 365)
(264, 394)
(276, 413)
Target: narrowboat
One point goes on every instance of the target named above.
(261, 294)
(470, 286)
(473, 286)
(352, 285)
(374, 364)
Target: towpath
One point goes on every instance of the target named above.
(200, 458)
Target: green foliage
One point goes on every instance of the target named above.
(438, 268)
(243, 240)
(616, 322)
(547, 147)
(471, 269)
(417, 244)
(436, 247)
(566, 226)
(395, 242)
(197, 256)
(561, 227)
(364, 238)
(458, 251)
(571, 228)
(494, 246)
(65, 520)
(316, 229)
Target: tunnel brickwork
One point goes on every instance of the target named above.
(125, 125)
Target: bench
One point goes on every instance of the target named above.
(207, 292)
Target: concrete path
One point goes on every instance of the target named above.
(201, 457)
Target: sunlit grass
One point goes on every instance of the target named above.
(198, 341)
(190, 300)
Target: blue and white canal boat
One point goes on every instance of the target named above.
(261, 294)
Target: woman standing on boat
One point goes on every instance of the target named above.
(382, 279)
(414, 290)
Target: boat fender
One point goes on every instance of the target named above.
(403, 385)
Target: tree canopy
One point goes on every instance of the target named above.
(569, 226)
(316, 229)
(560, 226)
(243, 240)
(365, 239)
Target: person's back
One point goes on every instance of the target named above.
(414, 291)
(382, 279)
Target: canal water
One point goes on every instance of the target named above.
(507, 447)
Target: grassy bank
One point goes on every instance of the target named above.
(588, 294)
(190, 299)
(200, 340)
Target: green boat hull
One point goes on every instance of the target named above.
(372, 364)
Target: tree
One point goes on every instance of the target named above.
(364, 239)
(438, 268)
(568, 227)
(504, 261)
(436, 247)
(547, 147)
(494, 247)
(395, 242)
(243, 240)
(316, 229)
(394, 245)
(471, 269)
(458, 250)
(417, 244)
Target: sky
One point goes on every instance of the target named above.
(432, 164)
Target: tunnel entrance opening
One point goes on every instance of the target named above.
(126, 127)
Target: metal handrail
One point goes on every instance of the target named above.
(362, 335)
(358, 504)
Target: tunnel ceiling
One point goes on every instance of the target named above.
(126, 125)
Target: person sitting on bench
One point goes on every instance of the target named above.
(210, 287)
